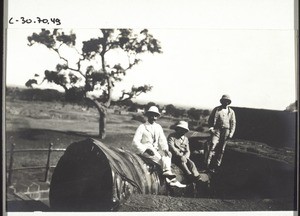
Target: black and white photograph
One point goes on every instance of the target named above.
(128, 107)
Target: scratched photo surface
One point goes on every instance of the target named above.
(75, 97)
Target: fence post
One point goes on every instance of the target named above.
(11, 161)
(48, 162)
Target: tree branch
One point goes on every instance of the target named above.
(67, 62)
(129, 96)
(57, 51)
(135, 91)
(102, 108)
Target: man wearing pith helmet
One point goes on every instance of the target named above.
(179, 147)
(150, 142)
(222, 123)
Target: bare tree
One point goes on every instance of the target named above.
(83, 76)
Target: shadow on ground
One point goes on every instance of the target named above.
(245, 175)
(249, 176)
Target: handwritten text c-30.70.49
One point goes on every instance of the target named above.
(37, 20)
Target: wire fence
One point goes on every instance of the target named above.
(47, 166)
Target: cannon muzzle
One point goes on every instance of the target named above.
(92, 177)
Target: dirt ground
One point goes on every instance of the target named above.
(254, 176)
(167, 203)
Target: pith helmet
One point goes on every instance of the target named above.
(153, 109)
(182, 124)
(225, 97)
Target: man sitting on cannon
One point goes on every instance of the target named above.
(150, 142)
(179, 147)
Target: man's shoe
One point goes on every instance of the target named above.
(197, 178)
(175, 183)
(169, 174)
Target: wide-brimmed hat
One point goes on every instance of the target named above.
(153, 109)
(182, 124)
(225, 97)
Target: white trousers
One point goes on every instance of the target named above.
(160, 158)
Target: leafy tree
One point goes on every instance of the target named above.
(148, 105)
(30, 82)
(179, 112)
(84, 75)
(126, 103)
(133, 108)
(194, 113)
(170, 109)
(206, 112)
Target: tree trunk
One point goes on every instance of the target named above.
(102, 124)
(102, 110)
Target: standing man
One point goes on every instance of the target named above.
(222, 123)
(179, 147)
(150, 142)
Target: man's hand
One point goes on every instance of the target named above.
(149, 152)
(230, 136)
(211, 130)
(183, 159)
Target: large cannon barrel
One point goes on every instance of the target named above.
(92, 177)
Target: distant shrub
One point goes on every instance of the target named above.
(117, 111)
(35, 94)
(173, 126)
(205, 124)
(74, 95)
(139, 118)
(199, 129)
(193, 124)
(132, 109)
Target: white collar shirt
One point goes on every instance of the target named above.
(149, 136)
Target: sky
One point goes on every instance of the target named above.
(250, 56)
